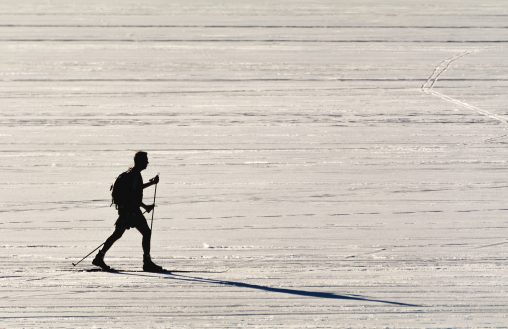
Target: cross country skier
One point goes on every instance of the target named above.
(128, 198)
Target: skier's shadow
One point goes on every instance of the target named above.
(297, 292)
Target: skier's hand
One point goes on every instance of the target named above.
(149, 208)
(155, 180)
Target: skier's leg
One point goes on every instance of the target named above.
(117, 234)
(143, 228)
(148, 264)
(99, 258)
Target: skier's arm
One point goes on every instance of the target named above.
(147, 184)
(151, 182)
(148, 208)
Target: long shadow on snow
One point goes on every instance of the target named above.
(317, 294)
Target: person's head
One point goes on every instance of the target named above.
(141, 160)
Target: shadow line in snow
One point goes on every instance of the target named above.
(297, 292)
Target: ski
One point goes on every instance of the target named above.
(99, 269)
(164, 271)
(177, 271)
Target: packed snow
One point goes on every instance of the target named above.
(323, 164)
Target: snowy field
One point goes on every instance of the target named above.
(323, 164)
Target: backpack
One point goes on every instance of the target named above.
(121, 190)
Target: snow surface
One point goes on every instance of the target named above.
(346, 163)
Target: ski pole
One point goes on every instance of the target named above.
(153, 210)
(88, 254)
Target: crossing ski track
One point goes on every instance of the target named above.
(346, 162)
(427, 87)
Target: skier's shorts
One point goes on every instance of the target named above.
(128, 218)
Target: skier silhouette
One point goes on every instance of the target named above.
(130, 214)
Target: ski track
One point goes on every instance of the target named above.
(427, 88)
(302, 146)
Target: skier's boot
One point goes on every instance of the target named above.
(150, 266)
(99, 261)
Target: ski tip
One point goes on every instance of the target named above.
(161, 271)
(98, 269)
